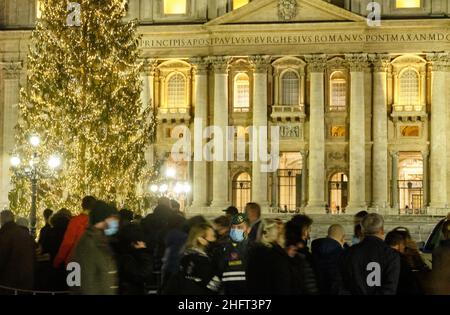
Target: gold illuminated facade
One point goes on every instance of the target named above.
(362, 109)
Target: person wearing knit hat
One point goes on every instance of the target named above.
(100, 212)
(94, 253)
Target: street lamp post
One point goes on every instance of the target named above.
(170, 187)
(33, 172)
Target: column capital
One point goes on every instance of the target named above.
(425, 153)
(148, 66)
(356, 62)
(200, 65)
(380, 62)
(393, 153)
(316, 63)
(260, 63)
(438, 61)
(11, 69)
(220, 64)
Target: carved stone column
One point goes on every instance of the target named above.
(11, 87)
(438, 136)
(220, 165)
(357, 162)
(380, 119)
(200, 179)
(316, 196)
(259, 176)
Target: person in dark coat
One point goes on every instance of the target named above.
(270, 270)
(196, 275)
(155, 228)
(305, 282)
(125, 217)
(134, 261)
(17, 255)
(439, 279)
(408, 283)
(304, 224)
(174, 246)
(47, 214)
(253, 214)
(370, 267)
(50, 245)
(95, 255)
(326, 253)
(231, 257)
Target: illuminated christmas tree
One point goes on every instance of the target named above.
(83, 98)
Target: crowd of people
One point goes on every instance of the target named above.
(237, 253)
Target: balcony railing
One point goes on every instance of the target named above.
(174, 110)
(337, 108)
(408, 108)
(287, 109)
(241, 109)
(174, 114)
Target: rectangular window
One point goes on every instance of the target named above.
(338, 90)
(175, 6)
(239, 3)
(407, 4)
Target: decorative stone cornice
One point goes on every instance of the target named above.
(220, 64)
(260, 63)
(316, 63)
(200, 65)
(438, 61)
(11, 69)
(380, 62)
(356, 62)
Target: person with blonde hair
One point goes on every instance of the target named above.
(270, 270)
(197, 275)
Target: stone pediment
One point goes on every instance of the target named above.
(283, 11)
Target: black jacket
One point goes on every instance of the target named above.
(326, 253)
(271, 271)
(135, 272)
(195, 277)
(408, 283)
(17, 257)
(357, 267)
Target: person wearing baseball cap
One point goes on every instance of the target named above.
(232, 260)
(231, 211)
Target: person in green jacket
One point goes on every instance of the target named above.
(98, 268)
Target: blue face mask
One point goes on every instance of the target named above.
(113, 227)
(237, 235)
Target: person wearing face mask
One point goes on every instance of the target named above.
(94, 254)
(196, 274)
(232, 257)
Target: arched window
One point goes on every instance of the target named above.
(409, 88)
(241, 190)
(241, 93)
(236, 4)
(176, 91)
(175, 6)
(338, 91)
(337, 192)
(290, 88)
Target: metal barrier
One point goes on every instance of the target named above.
(15, 291)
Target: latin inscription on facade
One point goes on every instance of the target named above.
(204, 41)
